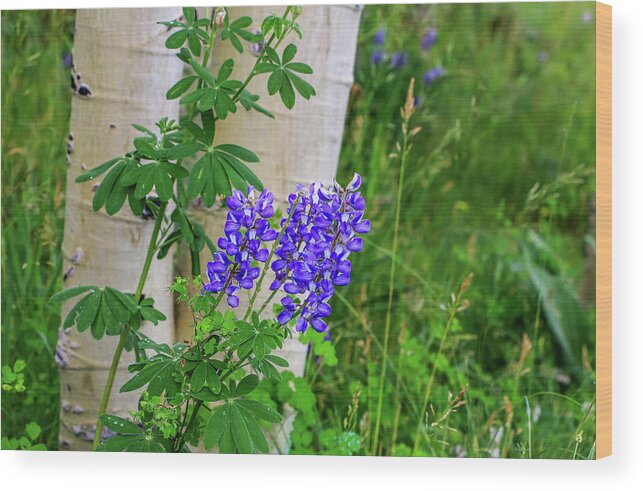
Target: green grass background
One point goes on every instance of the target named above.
(515, 109)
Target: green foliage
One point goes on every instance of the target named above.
(501, 135)
(179, 380)
(13, 380)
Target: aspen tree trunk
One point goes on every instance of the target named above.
(122, 61)
(298, 146)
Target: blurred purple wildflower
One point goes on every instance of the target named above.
(429, 39)
(246, 229)
(398, 60)
(432, 75)
(379, 38)
(587, 17)
(377, 57)
(543, 56)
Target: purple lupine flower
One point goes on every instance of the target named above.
(246, 230)
(432, 75)
(312, 254)
(429, 39)
(379, 38)
(377, 57)
(398, 60)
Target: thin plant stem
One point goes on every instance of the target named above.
(429, 385)
(407, 112)
(111, 375)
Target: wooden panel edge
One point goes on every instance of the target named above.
(603, 230)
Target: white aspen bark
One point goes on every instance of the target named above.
(301, 145)
(121, 58)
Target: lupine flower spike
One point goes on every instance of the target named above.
(311, 258)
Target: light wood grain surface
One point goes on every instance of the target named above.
(603, 230)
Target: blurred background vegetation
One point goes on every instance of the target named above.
(499, 183)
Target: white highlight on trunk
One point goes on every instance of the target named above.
(121, 56)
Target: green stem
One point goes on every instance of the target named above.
(429, 386)
(111, 375)
(269, 261)
(391, 288)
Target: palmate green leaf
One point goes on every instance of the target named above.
(226, 70)
(299, 67)
(120, 425)
(249, 101)
(107, 186)
(274, 81)
(177, 39)
(196, 131)
(97, 171)
(260, 410)
(257, 437)
(238, 151)
(189, 13)
(65, 295)
(246, 385)
(155, 368)
(194, 42)
(183, 150)
(179, 88)
(215, 427)
(289, 53)
(88, 313)
(145, 181)
(286, 92)
(203, 73)
(304, 88)
(240, 433)
(197, 381)
(131, 443)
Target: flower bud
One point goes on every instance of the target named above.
(219, 17)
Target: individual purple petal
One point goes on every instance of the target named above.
(284, 316)
(355, 244)
(355, 183)
(318, 324)
(301, 324)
